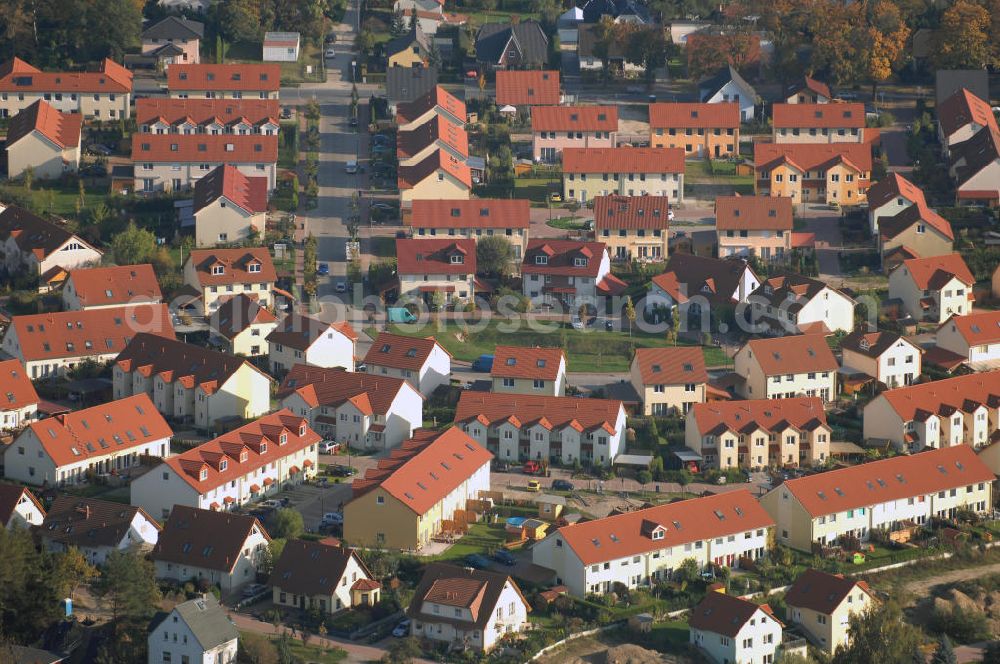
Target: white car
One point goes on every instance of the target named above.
(330, 53)
(670, 215)
(329, 447)
(402, 629)
(332, 519)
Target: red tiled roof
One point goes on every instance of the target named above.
(313, 568)
(90, 522)
(977, 328)
(18, 76)
(694, 116)
(623, 160)
(685, 521)
(34, 235)
(463, 587)
(117, 284)
(438, 97)
(577, 118)
(10, 498)
(411, 176)
(110, 428)
(201, 148)
(424, 470)
(205, 538)
(963, 108)
(437, 128)
(936, 271)
(526, 410)
(811, 84)
(821, 592)
(793, 354)
(724, 614)
(773, 415)
(522, 362)
(435, 256)
(474, 213)
(62, 129)
(889, 479)
(894, 186)
(399, 351)
(238, 313)
(244, 77)
(528, 88)
(249, 437)
(561, 257)
(300, 332)
(88, 333)
(671, 366)
(16, 389)
(203, 111)
(828, 116)
(225, 181)
(235, 263)
(321, 386)
(813, 156)
(616, 212)
(873, 344)
(753, 213)
(917, 213)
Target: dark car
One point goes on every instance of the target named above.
(477, 561)
(103, 150)
(562, 485)
(353, 122)
(341, 470)
(505, 557)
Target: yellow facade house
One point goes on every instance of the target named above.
(818, 123)
(633, 227)
(475, 218)
(215, 275)
(785, 367)
(229, 207)
(592, 172)
(44, 140)
(831, 173)
(669, 380)
(409, 50)
(915, 232)
(521, 370)
(439, 176)
(244, 325)
(822, 605)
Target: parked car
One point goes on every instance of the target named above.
(382, 205)
(534, 486)
(98, 148)
(330, 53)
(329, 447)
(341, 287)
(332, 519)
(323, 269)
(341, 470)
(504, 557)
(254, 589)
(531, 468)
(402, 629)
(351, 168)
(555, 197)
(477, 561)
(562, 485)
(483, 363)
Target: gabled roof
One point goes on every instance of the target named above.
(623, 160)
(424, 470)
(948, 394)
(714, 278)
(16, 389)
(174, 111)
(237, 314)
(461, 587)
(473, 213)
(89, 522)
(682, 522)
(790, 291)
(772, 415)
(724, 614)
(300, 332)
(407, 84)
(117, 284)
(936, 271)
(205, 538)
(971, 156)
(225, 181)
(963, 108)
(810, 84)
(88, 333)
(671, 366)
(616, 212)
(753, 213)
(62, 129)
(435, 98)
(494, 38)
(202, 148)
(883, 481)
(398, 351)
(321, 386)
(890, 227)
(872, 344)
(822, 592)
(18, 76)
(528, 88)
(694, 116)
(235, 263)
(711, 86)
(414, 37)
(416, 256)
(977, 328)
(813, 156)
(794, 354)
(894, 186)
(561, 257)
(525, 410)
(207, 620)
(175, 27)
(438, 129)
(821, 116)
(530, 363)
(576, 118)
(11, 496)
(438, 160)
(34, 235)
(242, 76)
(312, 568)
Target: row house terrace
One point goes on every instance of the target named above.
(103, 95)
(173, 162)
(554, 128)
(227, 81)
(701, 130)
(818, 123)
(207, 116)
(633, 227)
(627, 171)
(481, 217)
(567, 273)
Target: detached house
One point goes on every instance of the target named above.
(518, 427)
(890, 196)
(521, 45)
(243, 326)
(887, 357)
(669, 380)
(113, 286)
(592, 172)
(633, 227)
(813, 172)
(103, 95)
(172, 162)
(474, 219)
(197, 630)
(521, 370)
(423, 363)
(787, 367)
(19, 508)
(848, 504)
(916, 232)
(229, 207)
(642, 547)
(361, 410)
(759, 226)
(436, 268)
(961, 116)
(759, 433)
(302, 339)
(732, 629)
(728, 86)
(174, 40)
(228, 81)
(790, 303)
(438, 133)
(818, 123)
(20, 405)
(822, 605)
(32, 245)
(933, 289)
(808, 90)
(697, 283)
(524, 89)
(218, 548)
(409, 50)
(975, 337)
(215, 274)
(702, 130)
(555, 128)
(96, 528)
(323, 576)
(420, 490)
(567, 273)
(439, 175)
(975, 167)
(244, 465)
(44, 140)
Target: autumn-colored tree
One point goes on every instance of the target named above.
(887, 36)
(835, 45)
(963, 39)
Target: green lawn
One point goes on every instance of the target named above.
(500, 16)
(698, 171)
(288, 145)
(51, 197)
(534, 189)
(314, 654)
(291, 72)
(671, 637)
(482, 538)
(568, 223)
(383, 247)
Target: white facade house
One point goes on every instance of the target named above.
(195, 632)
(791, 303)
(933, 289)
(96, 528)
(975, 337)
(304, 340)
(281, 47)
(696, 283)
(422, 362)
(890, 196)
(728, 86)
(323, 576)
(801, 365)
(19, 508)
(31, 245)
(732, 629)
(21, 404)
(887, 357)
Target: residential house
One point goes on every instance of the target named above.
(475, 218)
(822, 605)
(438, 176)
(961, 116)
(75, 447)
(933, 289)
(633, 227)
(438, 133)
(322, 576)
(568, 273)
(302, 339)
(113, 286)
(20, 407)
(627, 12)
(890, 196)
(435, 101)
(246, 464)
(420, 490)
(668, 380)
(103, 95)
(639, 548)
(215, 274)
(218, 548)
(702, 130)
(699, 283)
(429, 14)
(198, 630)
(975, 167)
(728, 86)
(973, 336)
(790, 303)
(44, 140)
(916, 232)
(96, 528)
(174, 162)
(281, 47)
(440, 272)
(813, 173)
(787, 367)
(32, 245)
(727, 629)
(214, 116)
(408, 85)
(174, 40)
(19, 508)
(243, 326)
(229, 207)
(521, 45)
(949, 81)
(51, 344)
(423, 363)
(814, 124)
(361, 410)
(517, 427)
(757, 434)
(758, 226)
(524, 89)
(595, 57)
(592, 172)
(467, 608)
(889, 358)
(520, 370)
(224, 81)
(555, 128)
(191, 383)
(808, 90)
(411, 49)
(849, 504)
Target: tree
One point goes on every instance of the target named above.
(287, 524)
(991, 655)
(437, 301)
(129, 584)
(494, 255)
(630, 314)
(944, 654)
(133, 245)
(399, 24)
(646, 47)
(673, 334)
(256, 649)
(70, 571)
(402, 651)
(879, 636)
(963, 39)
(29, 177)
(645, 477)
(887, 39)
(239, 20)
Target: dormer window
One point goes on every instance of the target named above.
(658, 534)
(457, 259)
(302, 429)
(282, 439)
(223, 465)
(263, 447)
(243, 456)
(580, 262)
(203, 475)
(218, 269)
(541, 260)
(253, 267)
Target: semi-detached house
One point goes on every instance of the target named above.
(822, 605)
(633, 227)
(214, 274)
(890, 196)
(19, 508)
(818, 123)
(422, 362)
(476, 218)
(808, 91)
(801, 365)
(437, 176)
(242, 326)
(698, 283)
(521, 370)
(889, 358)
(173, 162)
(975, 337)
(32, 245)
(961, 116)
(96, 528)
(555, 128)
(975, 167)
(432, 268)
(20, 403)
(324, 576)
(727, 629)
(853, 502)
(701, 130)
(638, 549)
(813, 172)
(933, 289)
(103, 95)
(627, 171)
(669, 380)
(790, 303)
(228, 207)
(112, 286)
(44, 140)
(302, 339)
(916, 232)
(228, 81)
(758, 226)
(567, 273)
